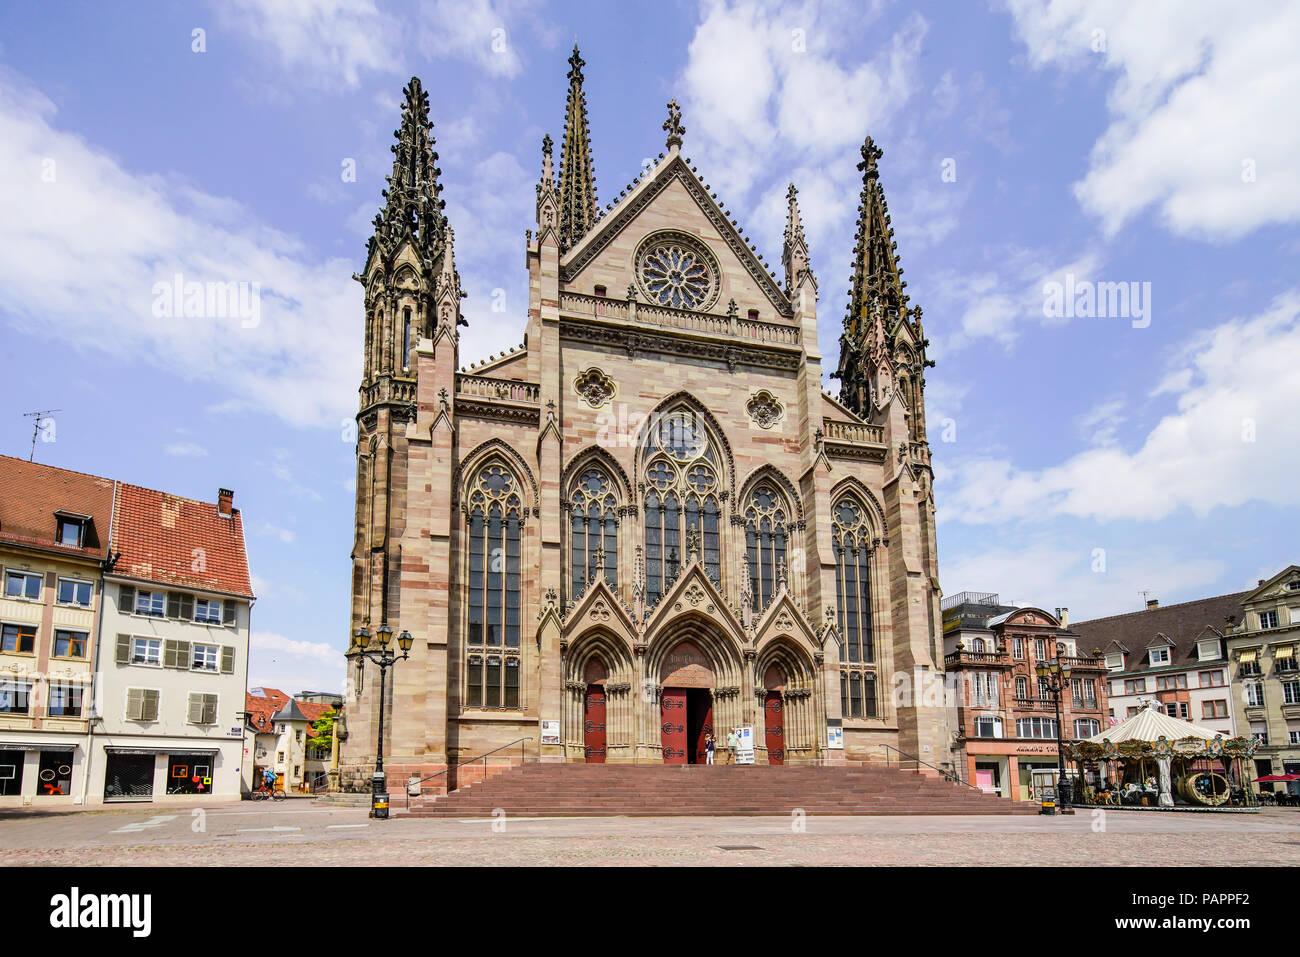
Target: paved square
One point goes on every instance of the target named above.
(299, 833)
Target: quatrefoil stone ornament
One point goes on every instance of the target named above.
(595, 387)
(764, 409)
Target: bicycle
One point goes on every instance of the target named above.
(265, 793)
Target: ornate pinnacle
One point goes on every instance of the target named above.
(870, 153)
(673, 125)
(576, 63)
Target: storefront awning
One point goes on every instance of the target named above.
(36, 746)
(1247, 657)
(1284, 653)
(194, 751)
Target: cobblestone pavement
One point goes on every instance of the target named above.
(298, 834)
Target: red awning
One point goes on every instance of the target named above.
(1277, 777)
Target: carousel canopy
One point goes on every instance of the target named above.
(1149, 725)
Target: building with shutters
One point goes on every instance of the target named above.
(1262, 651)
(281, 732)
(54, 541)
(647, 520)
(1173, 657)
(173, 658)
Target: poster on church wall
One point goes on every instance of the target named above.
(835, 737)
(550, 732)
(745, 744)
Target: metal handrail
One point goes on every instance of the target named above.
(947, 775)
(456, 767)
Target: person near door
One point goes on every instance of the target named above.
(709, 746)
(733, 743)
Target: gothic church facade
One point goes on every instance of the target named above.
(649, 521)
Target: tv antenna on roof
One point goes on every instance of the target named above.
(36, 428)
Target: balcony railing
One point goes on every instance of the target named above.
(506, 390)
(707, 323)
(838, 431)
(988, 659)
(1084, 663)
(1035, 704)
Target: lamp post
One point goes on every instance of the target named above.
(1055, 678)
(385, 659)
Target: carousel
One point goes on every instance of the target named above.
(1153, 760)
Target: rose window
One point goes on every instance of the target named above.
(676, 270)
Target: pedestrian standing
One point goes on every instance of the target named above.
(733, 743)
(709, 746)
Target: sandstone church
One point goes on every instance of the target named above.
(648, 521)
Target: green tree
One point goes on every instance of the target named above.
(322, 730)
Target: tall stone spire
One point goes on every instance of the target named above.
(412, 207)
(794, 251)
(577, 180)
(877, 306)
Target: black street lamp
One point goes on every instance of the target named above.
(1054, 678)
(385, 659)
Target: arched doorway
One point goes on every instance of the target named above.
(774, 714)
(685, 704)
(594, 712)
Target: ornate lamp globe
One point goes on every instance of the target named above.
(362, 638)
(384, 635)
(1041, 670)
(404, 641)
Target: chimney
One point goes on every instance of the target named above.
(225, 502)
(1063, 616)
(1153, 604)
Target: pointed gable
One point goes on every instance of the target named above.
(671, 198)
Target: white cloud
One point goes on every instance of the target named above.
(1051, 574)
(186, 450)
(479, 32)
(1202, 89)
(1232, 438)
(322, 43)
(86, 242)
(764, 77)
(292, 665)
(271, 530)
(1099, 425)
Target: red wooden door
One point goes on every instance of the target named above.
(593, 724)
(672, 725)
(774, 719)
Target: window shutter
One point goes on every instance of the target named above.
(126, 599)
(209, 709)
(187, 607)
(169, 653)
(196, 709)
(149, 706)
(183, 655)
(227, 660)
(173, 604)
(123, 649)
(134, 697)
(227, 612)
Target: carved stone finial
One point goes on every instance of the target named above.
(673, 125)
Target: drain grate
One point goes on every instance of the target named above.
(739, 847)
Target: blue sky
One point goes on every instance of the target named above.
(1080, 462)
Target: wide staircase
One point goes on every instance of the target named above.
(647, 790)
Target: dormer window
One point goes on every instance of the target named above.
(1268, 619)
(70, 530)
(1115, 661)
(1159, 656)
(1208, 650)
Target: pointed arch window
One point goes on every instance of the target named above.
(767, 536)
(851, 549)
(682, 481)
(593, 526)
(495, 532)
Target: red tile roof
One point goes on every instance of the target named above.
(30, 494)
(260, 708)
(160, 535)
(1184, 624)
